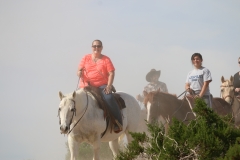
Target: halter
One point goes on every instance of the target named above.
(231, 97)
(74, 112)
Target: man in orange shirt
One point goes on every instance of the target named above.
(99, 72)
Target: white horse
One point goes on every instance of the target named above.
(89, 121)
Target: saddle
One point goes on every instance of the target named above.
(103, 104)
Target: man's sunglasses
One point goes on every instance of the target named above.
(96, 46)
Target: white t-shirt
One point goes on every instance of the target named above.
(196, 79)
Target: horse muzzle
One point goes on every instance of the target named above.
(64, 129)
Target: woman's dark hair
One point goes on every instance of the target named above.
(196, 54)
(98, 41)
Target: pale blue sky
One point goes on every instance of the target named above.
(42, 42)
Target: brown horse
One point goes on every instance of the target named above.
(167, 106)
(220, 106)
(227, 92)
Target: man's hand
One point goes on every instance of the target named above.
(189, 90)
(197, 96)
(237, 89)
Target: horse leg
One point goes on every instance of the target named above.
(96, 148)
(73, 147)
(114, 146)
(129, 137)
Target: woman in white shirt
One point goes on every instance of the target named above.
(198, 80)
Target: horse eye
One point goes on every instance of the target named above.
(59, 109)
(72, 109)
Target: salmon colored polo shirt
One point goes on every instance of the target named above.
(95, 72)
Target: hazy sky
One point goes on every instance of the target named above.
(42, 42)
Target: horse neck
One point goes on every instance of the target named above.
(85, 105)
(82, 101)
(173, 100)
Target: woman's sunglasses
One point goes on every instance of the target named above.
(96, 46)
(238, 62)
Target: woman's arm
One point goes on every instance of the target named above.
(187, 87)
(79, 72)
(205, 86)
(111, 75)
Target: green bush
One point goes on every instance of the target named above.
(208, 137)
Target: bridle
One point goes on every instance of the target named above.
(74, 113)
(224, 97)
(73, 110)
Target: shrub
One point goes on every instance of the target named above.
(208, 137)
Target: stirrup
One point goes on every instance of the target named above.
(117, 127)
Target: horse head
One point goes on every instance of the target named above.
(66, 111)
(227, 90)
(151, 102)
(149, 97)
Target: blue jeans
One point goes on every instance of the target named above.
(208, 100)
(112, 104)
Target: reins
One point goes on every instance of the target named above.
(75, 107)
(74, 110)
(183, 93)
(80, 117)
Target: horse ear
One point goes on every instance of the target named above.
(60, 95)
(74, 94)
(222, 79)
(231, 78)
